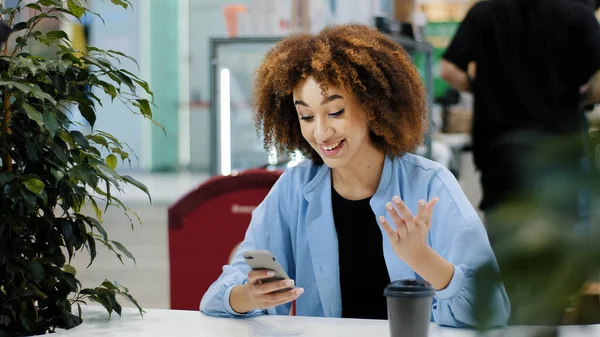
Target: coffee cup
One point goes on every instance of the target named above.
(409, 307)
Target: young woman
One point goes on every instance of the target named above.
(363, 211)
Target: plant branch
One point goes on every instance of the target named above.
(6, 131)
(32, 27)
(37, 315)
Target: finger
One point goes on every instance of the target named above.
(283, 297)
(422, 213)
(398, 221)
(391, 233)
(254, 276)
(405, 213)
(430, 205)
(269, 287)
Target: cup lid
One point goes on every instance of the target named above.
(409, 287)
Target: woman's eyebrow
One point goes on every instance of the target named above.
(331, 98)
(325, 101)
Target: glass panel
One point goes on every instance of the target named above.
(242, 59)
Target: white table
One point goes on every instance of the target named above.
(193, 323)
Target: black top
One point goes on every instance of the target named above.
(363, 272)
(532, 57)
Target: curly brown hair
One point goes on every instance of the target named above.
(355, 58)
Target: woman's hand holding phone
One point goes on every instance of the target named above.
(257, 294)
(268, 284)
(265, 295)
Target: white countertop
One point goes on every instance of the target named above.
(158, 322)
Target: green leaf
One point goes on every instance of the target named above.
(127, 80)
(51, 123)
(123, 55)
(30, 65)
(98, 140)
(80, 139)
(133, 300)
(6, 177)
(36, 270)
(96, 208)
(112, 249)
(144, 107)
(111, 161)
(70, 280)
(70, 269)
(96, 224)
(137, 184)
(34, 185)
(72, 58)
(91, 244)
(38, 93)
(102, 298)
(50, 2)
(59, 153)
(27, 88)
(37, 292)
(66, 229)
(75, 8)
(67, 138)
(109, 285)
(109, 136)
(34, 114)
(115, 303)
(121, 3)
(57, 34)
(34, 6)
(114, 77)
(58, 175)
(20, 26)
(7, 10)
(124, 250)
(88, 113)
(30, 199)
(88, 175)
(108, 88)
(96, 62)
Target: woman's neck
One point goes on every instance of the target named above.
(360, 178)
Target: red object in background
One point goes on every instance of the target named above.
(204, 228)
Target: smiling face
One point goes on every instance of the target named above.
(334, 124)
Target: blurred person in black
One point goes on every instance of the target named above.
(535, 63)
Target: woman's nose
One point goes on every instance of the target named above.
(323, 131)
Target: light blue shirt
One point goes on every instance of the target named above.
(295, 223)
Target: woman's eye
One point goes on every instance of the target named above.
(306, 118)
(336, 114)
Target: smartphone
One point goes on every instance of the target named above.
(263, 259)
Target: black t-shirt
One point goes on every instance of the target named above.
(532, 58)
(363, 272)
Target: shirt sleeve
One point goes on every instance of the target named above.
(461, 49)
(459, 236)
(268, 228)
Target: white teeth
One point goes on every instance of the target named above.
(331, 147)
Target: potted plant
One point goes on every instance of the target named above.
(49, 170)
(547, 249)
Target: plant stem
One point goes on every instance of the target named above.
(6, 159)
(30, 29)
(37, 315)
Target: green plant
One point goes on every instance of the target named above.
(546, 248)
(50, 170)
